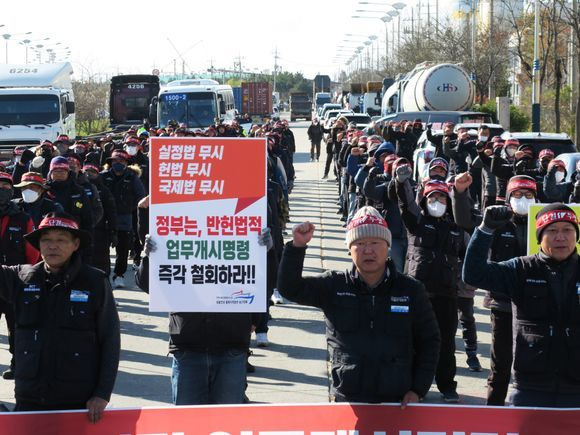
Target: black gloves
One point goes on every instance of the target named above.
(496, 216)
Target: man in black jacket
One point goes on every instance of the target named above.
(380, 328)
(67, 328)
(315, 133)
(545, 289)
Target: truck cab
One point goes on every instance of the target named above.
(36, 103)
(130, 97)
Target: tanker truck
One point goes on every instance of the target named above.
(443, 86)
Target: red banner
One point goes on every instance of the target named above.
(326, 419)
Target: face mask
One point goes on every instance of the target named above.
(510, 151)
(483, 138)
(5, 196)
(29, 195)
(520, 205)
(559, 176)
(118, 167)
(436, 209)
(131, 150)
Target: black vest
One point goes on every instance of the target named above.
(356, 322)
(547, 348)
(433, 255)
(57, 352)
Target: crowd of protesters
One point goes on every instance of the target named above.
(478, 184)
(391, 319)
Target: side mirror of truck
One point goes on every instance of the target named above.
(70, 107)
(153, 111)
(222, 107)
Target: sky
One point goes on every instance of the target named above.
(126, 37)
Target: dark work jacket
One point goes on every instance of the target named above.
(202, 332)
(382, 190)
(127, 189)
(315, 133)
(14, 224)
(73, 200)
(435, 245)
(545, 294)
(108, 223)
(510, 241)
(67, 336)
(405, 142)
(92, 194)
(38, 209)
(383, 341)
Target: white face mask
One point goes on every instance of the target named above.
(17, 159)
(131, 150)
(510, 151)
(521, 205)
(483, 138)
(29, 195)
(436, 209)
(559, 176)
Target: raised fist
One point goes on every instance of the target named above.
(496, 216)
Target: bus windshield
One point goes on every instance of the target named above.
(29, 109)
(196, 110)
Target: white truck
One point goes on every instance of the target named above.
(36, 103)
(444, 86)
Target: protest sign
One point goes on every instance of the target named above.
(303, 419)
(208, 205)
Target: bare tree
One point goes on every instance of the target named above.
(91, 105)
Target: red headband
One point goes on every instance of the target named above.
(366, 219)
(556, 216)
(522, 184)
(56, 222)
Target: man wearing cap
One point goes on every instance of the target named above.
(64, 190)
(67, 337)
(14, 224)
(138, 158)
(556, 188)
(33, 199)
(545, 289)
(435, 244)
(105, 231)
(126, 187)
(509, 241)
(75, 163)
(380, 328)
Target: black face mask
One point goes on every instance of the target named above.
(5, 197)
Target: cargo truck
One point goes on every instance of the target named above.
(300, 106)
(36, 103)
(428, 86)
(257, 99)
(130, 97)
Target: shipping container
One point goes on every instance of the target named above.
(257, 99)
(238, 98)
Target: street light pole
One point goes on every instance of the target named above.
(536, 73)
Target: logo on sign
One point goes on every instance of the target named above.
(447, 87)
(236, 298)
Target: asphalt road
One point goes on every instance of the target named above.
(293, 368)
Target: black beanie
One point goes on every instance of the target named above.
(552, 213)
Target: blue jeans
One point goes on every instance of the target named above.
(542, 399)
(201, 378)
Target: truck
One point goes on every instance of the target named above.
(36, 103)
(354, 97)
(442, 86)
(372, 98)
(321, 98)
(300, 106)
(257, 99)
(130, 97)
(195, 103)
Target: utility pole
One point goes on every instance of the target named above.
(573, 66)
(536, 72)
(491, 86)
(275, 68)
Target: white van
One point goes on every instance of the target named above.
(197, 103)
(36, 103)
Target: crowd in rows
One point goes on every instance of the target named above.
(432, 215)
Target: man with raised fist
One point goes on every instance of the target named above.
(545, 289)
(381, 331)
